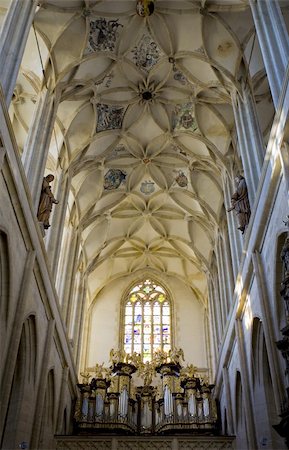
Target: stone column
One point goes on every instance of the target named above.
(213, 322)
(246, 385)
(71, 269)
(80, 321)
(37, 145)
(230, 421)
(221, 282)
(38, 415)
(64, 387)
(13, 40)
(274, 42)
(268, 328)
(250, 140)
(228, 268)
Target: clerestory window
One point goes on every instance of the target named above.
(147, 320)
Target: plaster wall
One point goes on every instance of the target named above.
(188, 319)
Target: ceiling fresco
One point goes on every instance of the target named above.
(144, 126)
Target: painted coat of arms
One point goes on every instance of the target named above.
(181, 179)
(109, 117)
(147, 187)
(102, 35)
(113, 179)
(146, 54)
(183, 117)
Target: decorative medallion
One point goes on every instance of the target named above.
(146, 54)
(181, 179)
(183, 117)
(147, 187)
(145, 8)
(102, 35)
(180, 77)
(113, 179)
(109, 117)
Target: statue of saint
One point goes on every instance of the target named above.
(240, 203)
(46, 201)
(285, 255)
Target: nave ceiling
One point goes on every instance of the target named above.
(144, 126)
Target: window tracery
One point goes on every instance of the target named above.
(147, 320)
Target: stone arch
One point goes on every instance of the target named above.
(18, 424)
(256, 345)
(240, 416)
(262, 388)
(47, 431)
(167, 299)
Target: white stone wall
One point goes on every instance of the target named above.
(188, 321)
(27, 356)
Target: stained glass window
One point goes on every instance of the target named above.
(147, 320)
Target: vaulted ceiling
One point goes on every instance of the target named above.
(144, 125)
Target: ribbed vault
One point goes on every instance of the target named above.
(144, 126)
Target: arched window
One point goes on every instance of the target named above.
(147, 320)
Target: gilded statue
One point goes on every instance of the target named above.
(160, 357)
(285, 255)
(176, 355)
(189, 371)
(98, 369)
(85, 377)
(46, 201)
(134, 359)
(240, 203)
(146, 371)
(117, 356)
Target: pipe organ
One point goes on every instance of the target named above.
(170, 398)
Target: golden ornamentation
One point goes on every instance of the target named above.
(98, 370)
(85, 377)
(146, 371)
(175, 355)
(189, 371)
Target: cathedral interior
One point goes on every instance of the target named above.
(144, 227)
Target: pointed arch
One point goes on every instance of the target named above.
(22, 388)
(146, 319)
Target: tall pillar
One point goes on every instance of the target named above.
(13, 40)
(250, 139)
(268, 328)
(245, 383)
(273, 40)
(38, 141)
(38, 414)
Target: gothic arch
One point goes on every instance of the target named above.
(22, 387)
(168, 298)
(256, 347)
